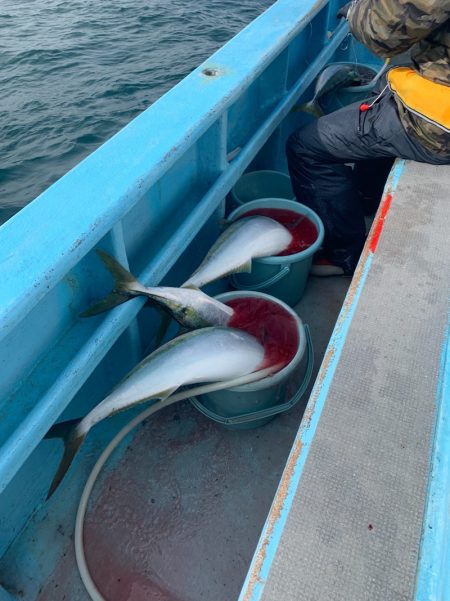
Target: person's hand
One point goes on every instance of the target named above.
(343, 11)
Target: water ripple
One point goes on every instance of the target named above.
(72, 73)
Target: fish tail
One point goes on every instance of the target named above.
(109, 302)
(73, 439)
(122, 277)
(310, 107)
(125, 285)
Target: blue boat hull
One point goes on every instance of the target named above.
(153, 196)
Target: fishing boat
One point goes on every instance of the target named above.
(343, 497)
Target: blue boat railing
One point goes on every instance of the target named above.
(145, 196)
(153, 196)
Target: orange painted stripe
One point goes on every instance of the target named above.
(376, 233)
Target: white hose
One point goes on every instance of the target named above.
(91, 588)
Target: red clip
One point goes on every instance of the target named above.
(364, 107)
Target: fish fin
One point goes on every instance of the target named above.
(190, 286)
(62, 429)
(160, 398)
(109, 302)
(123, 286)
(308, 107)
(244, 268)
(165, 394)
(120, 274)
(72, 442)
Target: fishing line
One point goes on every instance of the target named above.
(83, 569)
(381, 72)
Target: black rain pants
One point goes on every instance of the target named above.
(317, 156)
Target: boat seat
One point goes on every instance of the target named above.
(346, 522)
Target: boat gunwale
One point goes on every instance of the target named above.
(69, 230)
(17, 448)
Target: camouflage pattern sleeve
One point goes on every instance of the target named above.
(389, 27)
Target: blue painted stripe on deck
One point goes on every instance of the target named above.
(433, 578)
(268, 544)
(395, 175)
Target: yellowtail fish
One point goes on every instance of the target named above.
(215, 354)
(192, 308)
(332, 78)
(244, 240)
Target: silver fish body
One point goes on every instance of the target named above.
(332, 78)
(244, 240)
(207, 355)
(215, 354)
(190, 307)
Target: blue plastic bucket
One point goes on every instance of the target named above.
(283, 277)
(255, 404)
(261, 184)
(337, 99)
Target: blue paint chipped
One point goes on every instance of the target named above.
(396, 174)
(433, 578)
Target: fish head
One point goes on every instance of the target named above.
(183, 304)
(168, 298)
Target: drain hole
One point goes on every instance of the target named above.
(210, 72)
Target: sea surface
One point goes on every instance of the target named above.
(74, 72)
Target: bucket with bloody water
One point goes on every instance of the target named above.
(286, 341)
(283, 276)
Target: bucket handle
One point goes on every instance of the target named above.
(284, 271)
(269, 411)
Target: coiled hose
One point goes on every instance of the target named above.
(88, 582)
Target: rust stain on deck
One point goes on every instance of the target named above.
(286, 480)
(310, 408)
(274, 516)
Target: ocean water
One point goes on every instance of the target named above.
(73, 72)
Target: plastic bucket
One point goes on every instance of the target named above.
(255, 404)
(261, 184)
(337, 99)
(283, 277)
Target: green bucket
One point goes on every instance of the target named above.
(255, 404)
(261, 184)
(283, 277)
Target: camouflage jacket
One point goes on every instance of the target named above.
(390, 27)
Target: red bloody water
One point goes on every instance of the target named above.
(304, 232)
(270, 323)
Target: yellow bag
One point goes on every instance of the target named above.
(421, 96)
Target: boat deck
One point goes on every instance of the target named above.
(177, 514)
(347, 520)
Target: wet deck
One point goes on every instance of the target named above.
(180, 515)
